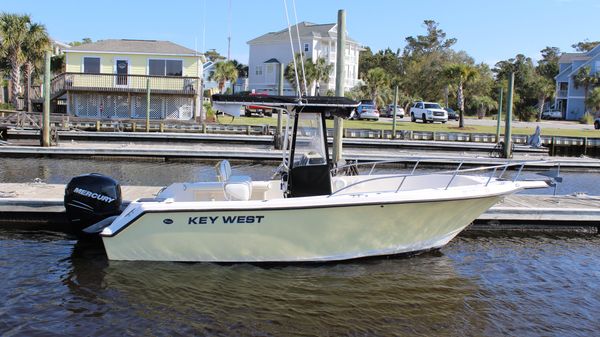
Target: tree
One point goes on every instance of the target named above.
(460, 74)
(224, 71)
(241, 68)
(482, 104)
(291, 76)
(584, 78)
(376, 79)
(593, 100)
(434, 41)
(34, 48)
(85, 40)
(548, 65)
(213, 55)
(542, 88)
(13, 32)
(585, 45)
(322, 71)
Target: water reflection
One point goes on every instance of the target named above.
(369, 297)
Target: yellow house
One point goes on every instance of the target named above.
(110, 79)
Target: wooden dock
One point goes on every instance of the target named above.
(40, 206)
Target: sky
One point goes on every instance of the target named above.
(489, 31)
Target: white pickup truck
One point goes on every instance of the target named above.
(428, 112)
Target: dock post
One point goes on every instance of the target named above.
(338, 123)
(46, 115)
(499, 114)
(162, 127)
(509, 107)
(394, 112)
(278, 137)
(97, 125)
(147, 105)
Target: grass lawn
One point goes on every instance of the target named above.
(407, 125)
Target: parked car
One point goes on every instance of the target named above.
(452, 114)
(258, 110)
(552, 114)
(428, 112)
(389, 111)
(366, 110)
(597, 123)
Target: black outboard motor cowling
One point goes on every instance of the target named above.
(90, 198)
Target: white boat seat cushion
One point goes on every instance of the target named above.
(238, 188)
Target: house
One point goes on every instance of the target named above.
(270, 50)
(569, 99)
(111, 79)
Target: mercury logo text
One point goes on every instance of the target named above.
(93, 195)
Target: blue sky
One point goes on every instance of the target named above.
(489, 31)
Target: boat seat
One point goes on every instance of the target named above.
(238, 188)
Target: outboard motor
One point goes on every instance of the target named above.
(90, 198)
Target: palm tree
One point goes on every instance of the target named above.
(584, 78)
(542, 88)
(482, 104)
(594, 99)
(376, 79)
(34, 47)
(224, 71)
(13, 33)
(309, 74)
(460, 74)
(322, 71)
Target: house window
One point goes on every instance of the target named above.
(91, 65)
(269, 69)
(306, 47)
(258, 71)
(564, 85)
(165, 67)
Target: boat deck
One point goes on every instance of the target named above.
(40, 206)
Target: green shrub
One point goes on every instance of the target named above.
(587, 119)
(210, 112)
(528, 114)
(6, 106)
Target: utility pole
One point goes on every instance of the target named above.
(509, 107)
(46, 116)
(338, 123)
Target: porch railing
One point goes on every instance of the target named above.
(122, 83)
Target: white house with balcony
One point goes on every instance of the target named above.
(270, 50)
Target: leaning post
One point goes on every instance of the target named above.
(46, 115)
(499, 115)
(509, 108)
(338, 123)
(147, 105)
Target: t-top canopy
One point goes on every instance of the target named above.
(336, 106)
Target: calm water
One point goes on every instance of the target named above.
(485, 285)
(159, 173)
(475, 286)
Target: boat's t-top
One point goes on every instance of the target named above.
(306, 164)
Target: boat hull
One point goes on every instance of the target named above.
(302, 234)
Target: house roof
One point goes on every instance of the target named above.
(272, 60)
(134, 46)
(570, 57)
(305, 30)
